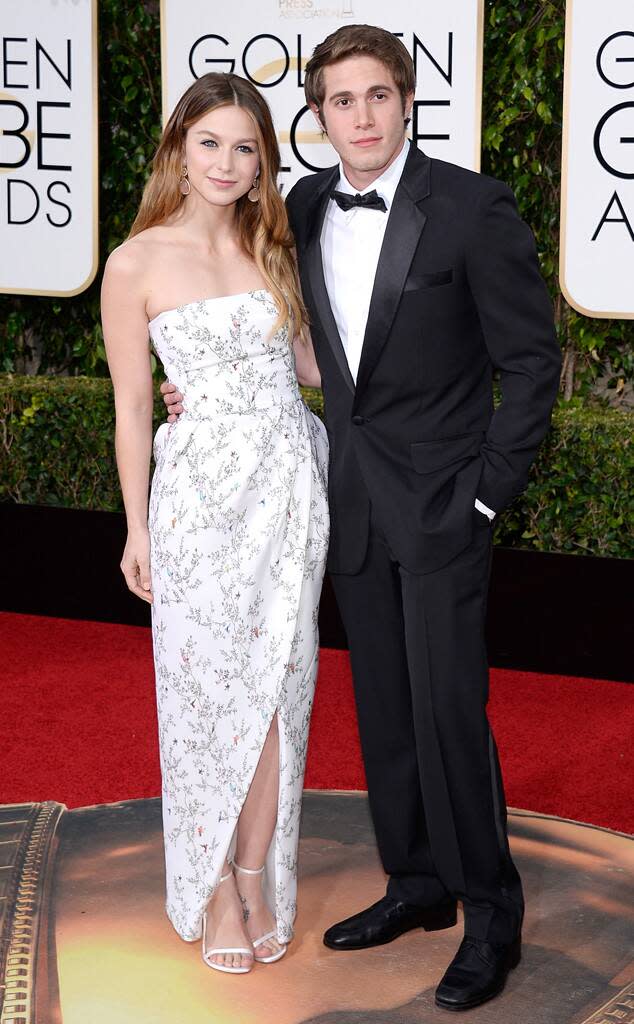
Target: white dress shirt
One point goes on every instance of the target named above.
(350, 247)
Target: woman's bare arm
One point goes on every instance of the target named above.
(306, 367)
(128, 350)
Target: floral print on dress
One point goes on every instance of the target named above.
(238, 525)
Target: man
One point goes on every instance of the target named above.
(420, 279)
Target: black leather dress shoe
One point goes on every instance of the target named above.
(386, 920)
(477, 973)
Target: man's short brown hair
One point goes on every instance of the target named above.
(355, 41)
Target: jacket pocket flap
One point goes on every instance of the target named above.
(416, 281)
(429, 456)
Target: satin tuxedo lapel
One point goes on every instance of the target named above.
(314, 265)
(402, 235)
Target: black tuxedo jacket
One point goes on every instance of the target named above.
(457, 295)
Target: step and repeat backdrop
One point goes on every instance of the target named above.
(269, 42)
(597, 194)
(48, 119)
(48, 146)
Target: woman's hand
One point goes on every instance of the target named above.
(125, 333)
(135, 564)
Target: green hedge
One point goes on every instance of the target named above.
(58, 449)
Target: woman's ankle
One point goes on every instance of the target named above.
(247, 865)
(223, 897)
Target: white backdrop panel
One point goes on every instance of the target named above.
(597, 221)
(271, 40)
(48, 146)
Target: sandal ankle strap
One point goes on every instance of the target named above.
(248, 871)
(223, 878)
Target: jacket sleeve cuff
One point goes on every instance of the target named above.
(481, 507)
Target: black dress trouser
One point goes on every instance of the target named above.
(421, 686)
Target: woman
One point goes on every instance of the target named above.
(231, 551)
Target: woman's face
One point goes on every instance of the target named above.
(222, 156)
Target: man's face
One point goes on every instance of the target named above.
(363, 115)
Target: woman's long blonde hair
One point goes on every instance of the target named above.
(263, 229)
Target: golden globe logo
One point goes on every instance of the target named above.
(270, 41)
(597, 187)
(614, 134)
(48, 148)
(28, 135)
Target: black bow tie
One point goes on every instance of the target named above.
(370, 201)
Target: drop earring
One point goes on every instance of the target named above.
(184, 186)
(253, 195)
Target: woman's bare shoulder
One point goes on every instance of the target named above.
(133, 256)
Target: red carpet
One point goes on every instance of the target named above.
(79, 726)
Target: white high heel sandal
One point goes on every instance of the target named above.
(208, 953)
(269, 935)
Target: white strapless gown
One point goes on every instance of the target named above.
(238, 524)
